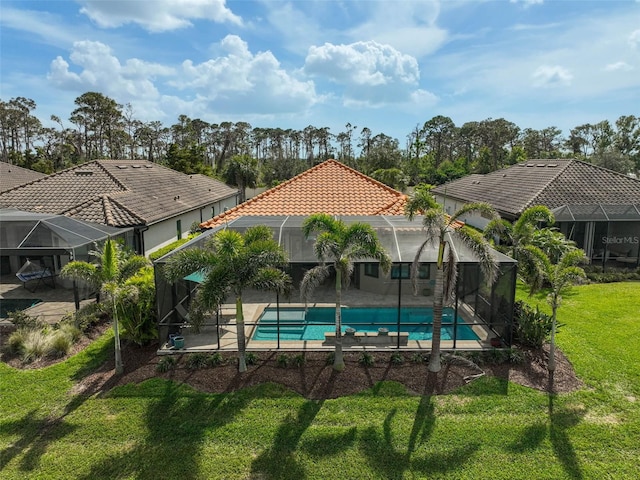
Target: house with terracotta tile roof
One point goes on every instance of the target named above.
(597, 208)
(333, 188)
(161, 204)
(329, 187)
(12, 175)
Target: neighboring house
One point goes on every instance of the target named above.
(160, 203)
(11, 176)
(597, 208)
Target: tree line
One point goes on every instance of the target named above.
(435, 152)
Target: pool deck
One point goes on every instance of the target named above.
(212, 338)
(56, 302)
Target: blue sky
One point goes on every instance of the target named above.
(385, 65)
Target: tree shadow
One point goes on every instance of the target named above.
(392, 462)
(559, 422)
(35, 436)
(177, 423)
(279, 460)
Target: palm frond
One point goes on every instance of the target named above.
(420, 202)
(216, 286)
(258, 233)
(79, 270)
(273, 280)
(450, 272)
(319, 222)
(415, 265)
(498, 228)
(534, 215)
(533, 267)
(185, 262)
(312, 279)
(481, 249)
(131, 266)
(475, 207)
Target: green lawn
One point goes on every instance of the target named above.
(489, 429)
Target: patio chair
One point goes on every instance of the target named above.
(31, 272)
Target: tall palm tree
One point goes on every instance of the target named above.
(518, 241)
(115, 265)
(561, 276)
(439, 229)
(341, 246)
(232, 262)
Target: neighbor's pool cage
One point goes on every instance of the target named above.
(474, 302)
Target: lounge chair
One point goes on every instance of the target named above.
(30, 272)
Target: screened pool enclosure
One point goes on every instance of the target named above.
(392, 312)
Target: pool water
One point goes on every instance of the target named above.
(296, 324)
(12, 304)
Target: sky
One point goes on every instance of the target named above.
(385, 65)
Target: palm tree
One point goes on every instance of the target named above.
(518, 241)
(561, 276)
(439, 229)
(232, 262)
(116, 265)
(341, 245)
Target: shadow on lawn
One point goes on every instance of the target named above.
(559, 421)
(177, 423)
(382, 454)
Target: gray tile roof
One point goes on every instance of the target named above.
(553, 183)
(117, 193)
(11, 176)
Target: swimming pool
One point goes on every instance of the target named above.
(296, 324)
(12, 304)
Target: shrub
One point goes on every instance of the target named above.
(88, 316)
(417, 357)
(496, 356)
(516, 356)
(299, 360)
(250, 358)
(166, 363)
(59, 344)
(366, 359)
(35, 345)
(70, 331)
(196, 361)
(137, 315)
(23, 320)
(532, 327)
(15, 344)
(397, 358)
(331, 357)
(282, 360)
(161, 252)
(215, 359)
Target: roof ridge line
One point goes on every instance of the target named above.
(624, 175)
(558, 173)
(126, 209)
(110, 175)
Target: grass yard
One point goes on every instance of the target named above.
(488, 429)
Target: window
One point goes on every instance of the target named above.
(179, 229)
(404, 271)
(372, 270)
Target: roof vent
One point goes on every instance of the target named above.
(148, 166)
(530, 165)
(135, 166)
(122, 167)
(541, 165)
(83, 173)
(551, 165)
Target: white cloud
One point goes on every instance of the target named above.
(634, 39)
(40, 24)
(618, 66)
(100, 70)
(528, 3)
(370, 72)
(552, 76)
(157, 15)
(409, 27)
(239, 81)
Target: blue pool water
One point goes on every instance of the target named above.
(296, 324)
(12, 304)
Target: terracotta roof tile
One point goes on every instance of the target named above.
(12, 176)
(117, 192)
(329, 187)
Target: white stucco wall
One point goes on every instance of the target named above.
(163, 233)
(451, 205)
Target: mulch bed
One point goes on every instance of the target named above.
(316, 379)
